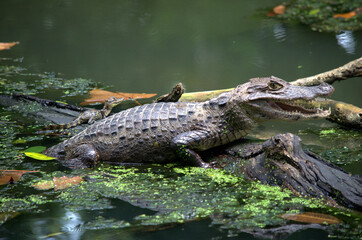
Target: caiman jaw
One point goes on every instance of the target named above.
(296, 108)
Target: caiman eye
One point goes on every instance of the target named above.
(274, 86)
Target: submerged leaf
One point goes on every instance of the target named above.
(38, 156)
(100, 96)
(311, 217)
(9, 176)
(4, 46)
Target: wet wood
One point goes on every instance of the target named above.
(349, 70)
(281, 161)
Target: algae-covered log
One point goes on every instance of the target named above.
(282, 161)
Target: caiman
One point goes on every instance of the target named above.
(163, 132)
(89, 116)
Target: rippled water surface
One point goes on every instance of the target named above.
(148, 46)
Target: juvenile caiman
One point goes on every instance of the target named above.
(89, 116)
(162, 132)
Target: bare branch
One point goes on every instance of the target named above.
(349, 70)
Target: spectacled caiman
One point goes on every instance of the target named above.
(162, 132)
(89, 116)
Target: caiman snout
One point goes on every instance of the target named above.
(324, 89)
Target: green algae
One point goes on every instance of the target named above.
(181, 195)
(178, 195)
(35, 84)
(344, 145)
(319, 14)
(30, 202)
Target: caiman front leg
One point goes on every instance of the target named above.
(83, 156)
(184, 144)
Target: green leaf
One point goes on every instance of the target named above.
(35, 149)
(313, 11)
(38, 156)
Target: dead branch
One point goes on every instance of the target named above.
(349, 70)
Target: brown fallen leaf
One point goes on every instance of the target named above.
(44, 185)
(100, 96)
(345, 15)
(279, 10)
(9, 176)
(4, 46)
(349, 15)
(58, 183)
(311, 217)
(66, 182)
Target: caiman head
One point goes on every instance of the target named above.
(273, 98)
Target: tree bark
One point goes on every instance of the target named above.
(349, 70)
(282, 161)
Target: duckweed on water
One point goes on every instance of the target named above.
(193, 193)
(346, 145)
(178, 195)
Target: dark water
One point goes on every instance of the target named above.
(148, 46)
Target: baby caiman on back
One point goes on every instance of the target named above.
(163, 132)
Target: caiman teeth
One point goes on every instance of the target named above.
(294, 107)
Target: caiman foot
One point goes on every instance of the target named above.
(83, 156)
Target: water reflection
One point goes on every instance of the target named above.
(280, 32)
(72, 223)
(347, 41)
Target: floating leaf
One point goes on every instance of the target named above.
(350, 14)
(44, 185)
(279, 10)
(66, 182)
(4, 46)
(58, 183)
(100, 96)
(38, 156)
(345, 15)
(311, 217)
(9, 176)
(36, 149)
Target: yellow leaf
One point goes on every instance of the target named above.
(38, 156)
(311, 217)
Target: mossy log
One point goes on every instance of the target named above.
(282, 161)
